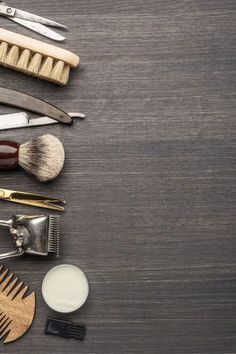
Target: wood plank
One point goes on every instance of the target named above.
(149, 176)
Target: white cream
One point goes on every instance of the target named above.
(65, 288)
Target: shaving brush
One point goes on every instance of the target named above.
(43, 157)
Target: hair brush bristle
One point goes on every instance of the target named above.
(42, 157)
(36, 58)
(34, 64)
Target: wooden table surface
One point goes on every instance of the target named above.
(149, 177)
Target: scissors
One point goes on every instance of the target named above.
(36, 200)
(31, 21)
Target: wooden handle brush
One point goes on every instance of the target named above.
(36, 58)
(43, 157)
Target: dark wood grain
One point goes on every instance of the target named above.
(149, 176)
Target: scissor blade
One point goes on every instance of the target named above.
(36, 200)
(39, 28)
(34, 18)
(39, 204)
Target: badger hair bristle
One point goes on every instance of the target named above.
(42, 157)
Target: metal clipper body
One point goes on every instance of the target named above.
(34, 235)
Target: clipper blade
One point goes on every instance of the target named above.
(54, 234)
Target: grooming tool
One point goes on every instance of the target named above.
(35, 200)
(65, 288)
(22, 120)
(36, 235)
(62, 328)
(43, 157)
(35, 23)
(24, 101)
(36, 58)
(16, 310)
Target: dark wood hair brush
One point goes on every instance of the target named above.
(43, 157)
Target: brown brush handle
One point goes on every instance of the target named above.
(9, 152)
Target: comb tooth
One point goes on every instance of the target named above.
(3, 274)
(3, 323)
(5, 329)
(2, 318)
(78, 331)
(22, 292)
(10, 286)
(76, 326)
(15, 290)
(6, 282)
(78, 334)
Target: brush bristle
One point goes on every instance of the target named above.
(24, 60)
(54, 234)
(3, 52)
(42, 157)
(12, 56)
(33, 63)
(46, 68)
(57, 71)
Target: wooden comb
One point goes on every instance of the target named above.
(16, 311)
(36, 58)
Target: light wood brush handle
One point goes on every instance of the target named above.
(36, 46)
(9, 153)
